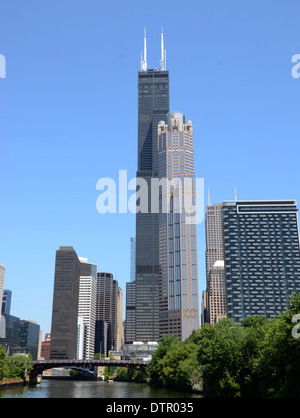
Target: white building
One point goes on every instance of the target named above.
(86, 310)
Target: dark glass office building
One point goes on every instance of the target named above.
(262, 256)
(153, 106)
(65, 304)
(29, 333)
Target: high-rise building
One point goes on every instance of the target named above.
(217, 304)
(153, 106)
(132, 259)
(109, 310)
(120, 327)
(262, 256)
(6, 301)
(65, 304)
(2, 275)
(178, 296)
(214, 255)
(29, 335)
(130, 313)
(260, 243)
(129, 330)
(87, 309)
(10, 335)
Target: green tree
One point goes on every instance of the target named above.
(220, 358)
(168, 343)
(20, 366)
(180, 367)
(278, 362)
(4, 368)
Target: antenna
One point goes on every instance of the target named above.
(235, 198)
(162, 52)
(144, 60)
(208, 197)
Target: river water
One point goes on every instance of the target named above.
(91, 389)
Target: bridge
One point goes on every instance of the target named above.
(40, 365)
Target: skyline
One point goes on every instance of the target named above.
(66, 88)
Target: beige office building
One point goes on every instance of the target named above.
(215, 274)
(178, 284)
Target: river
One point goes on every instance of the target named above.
(91, 389)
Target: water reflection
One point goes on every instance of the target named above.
(91, 389)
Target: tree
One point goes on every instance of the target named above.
(179, 367)
(4, 369)
(278, 362)
(20, 366)
(157, 377)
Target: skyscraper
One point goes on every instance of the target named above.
(260, 242)
(153, 106)
(262, 256)
(2, 275)
(130, 313)
(132, 259)
(214, 257)
(178, 297)
(109, 311)
(29, 335)
(65, 304)
(87, 309)
(129, 331)
(6, 301)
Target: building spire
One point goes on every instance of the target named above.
(235, 197)
(208, 197)
(144, 57)
(162, 52)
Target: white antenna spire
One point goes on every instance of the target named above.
(162, 52)
(235, 196)
(144, 59)
(208, 197)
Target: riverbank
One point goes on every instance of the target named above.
(12, 383)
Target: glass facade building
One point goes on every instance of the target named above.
(153, 106)
(29, 334)
(262, 256)
(65, 304)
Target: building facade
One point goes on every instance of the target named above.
(29, 337)
(2, 276)
(65, 304)
(178, 285)
(214, 258)
(262, 256)
(109, 310)
(6, 301)
(153, 106)
(45, 347)
(130, 313)
(87, 309)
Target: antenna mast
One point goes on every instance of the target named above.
(144, 58)
(162, 52)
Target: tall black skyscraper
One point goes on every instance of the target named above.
(65, 304)
(153, 106)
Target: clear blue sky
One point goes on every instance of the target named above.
(68, 117)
